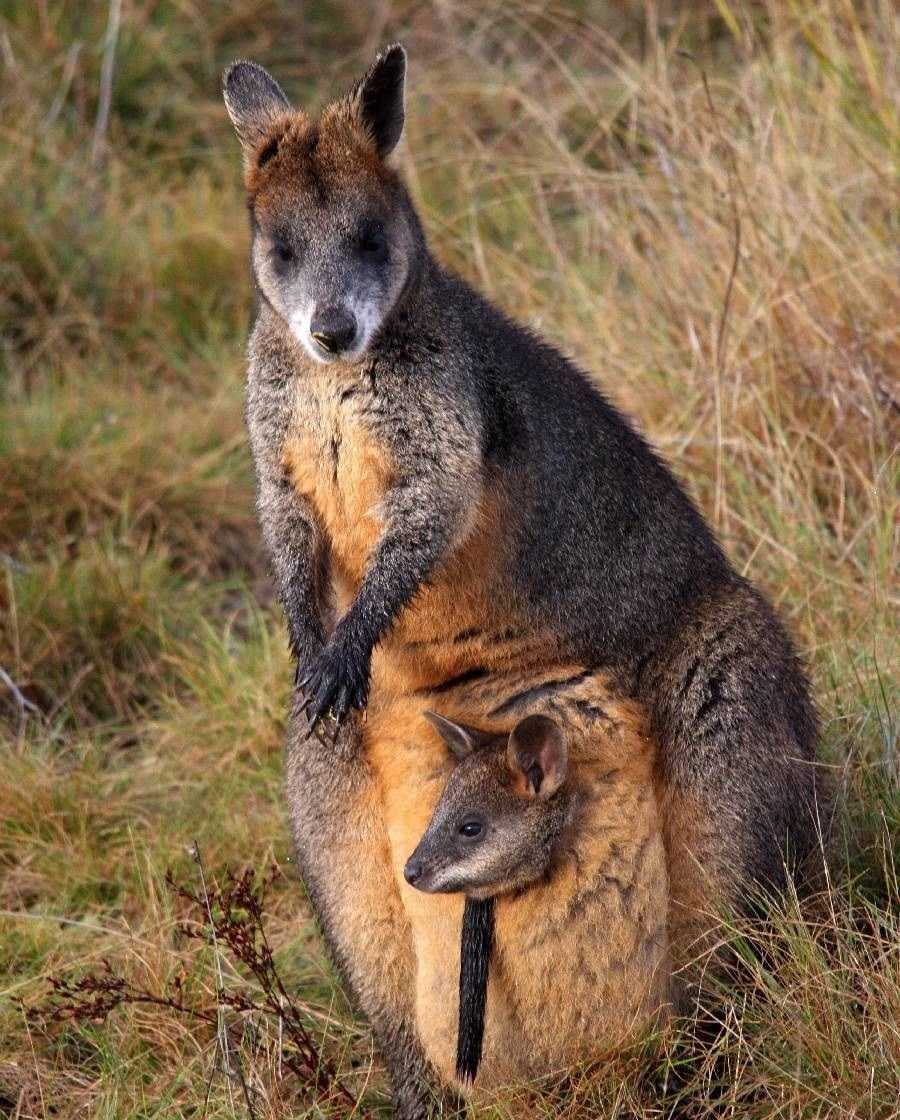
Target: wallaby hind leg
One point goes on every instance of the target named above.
(342, 849)
(743, 800)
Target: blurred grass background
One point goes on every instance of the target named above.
(696, 200)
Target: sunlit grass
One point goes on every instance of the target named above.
(698, 202)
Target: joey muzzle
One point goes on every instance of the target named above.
(333, 329)
(421, 871)
(413, 871)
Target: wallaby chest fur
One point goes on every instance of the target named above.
(337, 463)
(341, 440)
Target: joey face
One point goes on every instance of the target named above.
(334, 232)
(501, 815)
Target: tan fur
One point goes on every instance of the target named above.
(344, 473)
(335, 463)
(365, 909)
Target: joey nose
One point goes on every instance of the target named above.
(412, 873)
(333, 328)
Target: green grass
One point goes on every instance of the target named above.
(570, 162)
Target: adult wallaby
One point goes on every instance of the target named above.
(441, 489)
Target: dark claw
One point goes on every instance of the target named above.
(315, 729)
(332, 688)
(341, 705)
(319, 710)
(316, 715)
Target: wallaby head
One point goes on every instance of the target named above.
(335, 235)
(502, 812)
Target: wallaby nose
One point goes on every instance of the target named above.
(333, 328)
(412, 873)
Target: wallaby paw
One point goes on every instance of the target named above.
(337, 684)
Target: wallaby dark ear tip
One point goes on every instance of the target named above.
(393, 54)
(249, 87)
(235, 72)
(379, 97)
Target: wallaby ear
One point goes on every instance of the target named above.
(378, 99)
(538, 755)
(254, 101)
(460, 740)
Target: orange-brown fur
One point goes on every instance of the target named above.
(344, 154)
(336, 465)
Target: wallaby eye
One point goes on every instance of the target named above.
(372, 241)
(283, 252)
(471, 829)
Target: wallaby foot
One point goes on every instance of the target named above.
(415, 1091)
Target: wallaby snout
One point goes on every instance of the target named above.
(333, 328)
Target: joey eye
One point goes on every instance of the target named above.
(471, 829)
(283, 252)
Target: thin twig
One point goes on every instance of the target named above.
(280, 1039)
(98, 144)
(221, 1024)
(9, 59)
(65, 83)
(731, 172)
(21, 701)
(71, 689)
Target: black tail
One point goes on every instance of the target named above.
(474, 958)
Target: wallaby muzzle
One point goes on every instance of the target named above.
(333, 328)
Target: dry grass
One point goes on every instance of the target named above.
(697, 200)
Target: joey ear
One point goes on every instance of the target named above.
(254, 101)
(538, 755)
(378, 99)
(459, 739)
